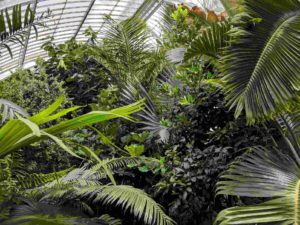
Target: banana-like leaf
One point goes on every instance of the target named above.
(261, 68)
(20, 132)
(263, 173)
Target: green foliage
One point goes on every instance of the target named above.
(9, 109)
(184, 29)
(262, 173)
(210, 42)
(127, 53)
(73, 63)
(33, 91)
(22, 132)
(135, 150)
(261, 79)
(14, 25)
(82, 184)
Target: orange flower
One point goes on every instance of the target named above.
(199, 12)
(212, 16)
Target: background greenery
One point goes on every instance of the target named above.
(215, 121)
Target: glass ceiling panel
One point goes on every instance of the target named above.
(70, 18)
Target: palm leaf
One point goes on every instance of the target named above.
(33, 213)
(261, 69)
(127, 52)
(14, 25)
(82, 184)
(210, 42)
(34, 180)
(262, 173)
(290, 125)
(129, 198)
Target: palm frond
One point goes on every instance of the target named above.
(290, 125)
(230, 6)
(110, 220)
(9, 110)
(129, 198)
(34, 180)
(14, 25)
(148, 116)
(262, 173)
(210, 42)
(261, 68)
(126, 50)
(34, 212)
(97, 172)
(83, 185)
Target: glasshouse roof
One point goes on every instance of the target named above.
(70, 18)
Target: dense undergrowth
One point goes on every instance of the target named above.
(200, 134)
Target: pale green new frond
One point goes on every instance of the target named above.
(110, 220)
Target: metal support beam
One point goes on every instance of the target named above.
(58, 22)
(85, 16)
(22, 59)
(111, 11)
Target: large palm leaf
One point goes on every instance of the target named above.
(128, 198)
(262, 67)
(263, 173)
(210, 42)
(40, 213)
(127, 50)
(83, 184)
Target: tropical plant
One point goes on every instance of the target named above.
(85, 186)
(13, 29)
(9, 109)
(261, 67)
(14, 26)
(22, 132)
(267, 173)
(32, 212)
(210, 42)
(33, 90)
(127, 51)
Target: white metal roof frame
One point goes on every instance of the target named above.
(70, 18)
